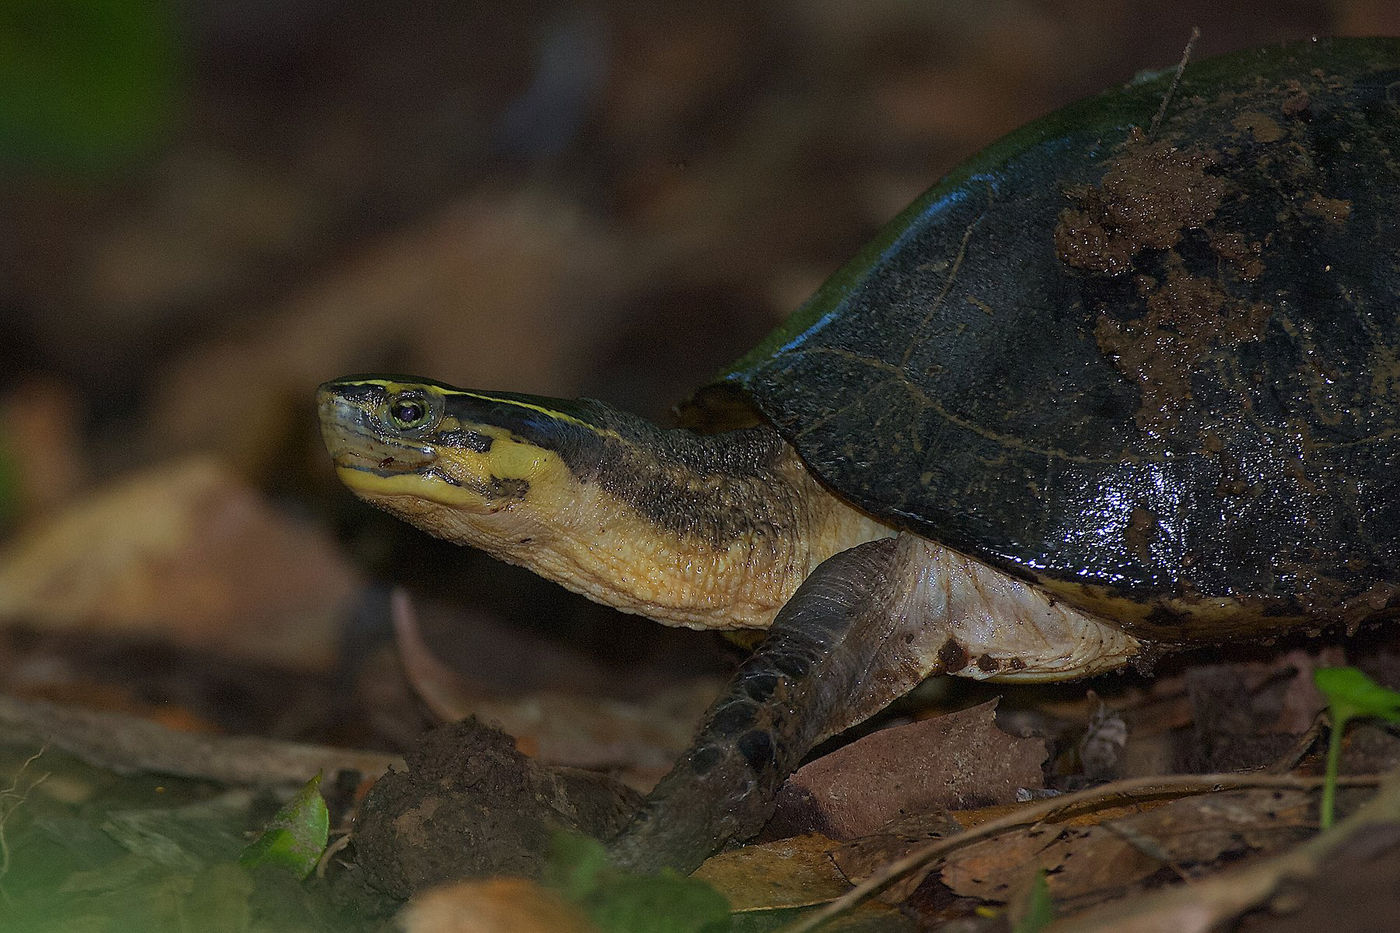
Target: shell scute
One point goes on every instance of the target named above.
(1156, 367)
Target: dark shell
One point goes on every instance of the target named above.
(1155, 368)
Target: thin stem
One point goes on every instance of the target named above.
(1334, 767)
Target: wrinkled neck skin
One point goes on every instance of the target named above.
(687, 529)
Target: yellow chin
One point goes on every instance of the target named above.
(372, 486)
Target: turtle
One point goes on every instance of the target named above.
(1126, 381)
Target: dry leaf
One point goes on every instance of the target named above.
(796, 872)
(1212, 903)
(187, 553)
(1203, 829)
(1084, 860)
(956, 761)
(860, 858)
(496, 905)
(1354, 890)
(1078, 861)
(1101, 748)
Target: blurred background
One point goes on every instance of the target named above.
(208, 207)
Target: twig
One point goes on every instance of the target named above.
(1131, 789)
(1176, 80)
(1300, 748)
(126, 744)
(19, 797)
(1207, 904)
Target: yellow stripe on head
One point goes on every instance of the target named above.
(394, 437)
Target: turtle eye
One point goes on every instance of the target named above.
(408, 412)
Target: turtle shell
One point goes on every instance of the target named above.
(1153, 367)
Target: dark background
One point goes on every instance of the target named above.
(207, 208)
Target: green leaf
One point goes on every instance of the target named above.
(665, 903)
(575, 864)
(295, 837)
(621, 902)
(1350, 694)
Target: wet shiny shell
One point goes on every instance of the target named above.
(1156, 368)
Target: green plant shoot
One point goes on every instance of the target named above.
(1350, 694)
(295, 837)
(1039, 908)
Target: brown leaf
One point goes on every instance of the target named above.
(129, 745)
(1205, 828)
(1077, 861)
(495, 905)
(796, 872)
(956, 761)
(184, 552)
(1212, 903)
(1082, 860)
(860, 858)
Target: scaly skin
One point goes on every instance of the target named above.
(712, 532)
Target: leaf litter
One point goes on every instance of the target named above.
(120, 273)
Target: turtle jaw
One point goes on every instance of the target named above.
(376, 462)
(451, 478)
(357, 439)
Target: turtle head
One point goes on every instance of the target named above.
(403, 443)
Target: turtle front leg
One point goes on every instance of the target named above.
(865, 627)
(835, 655)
